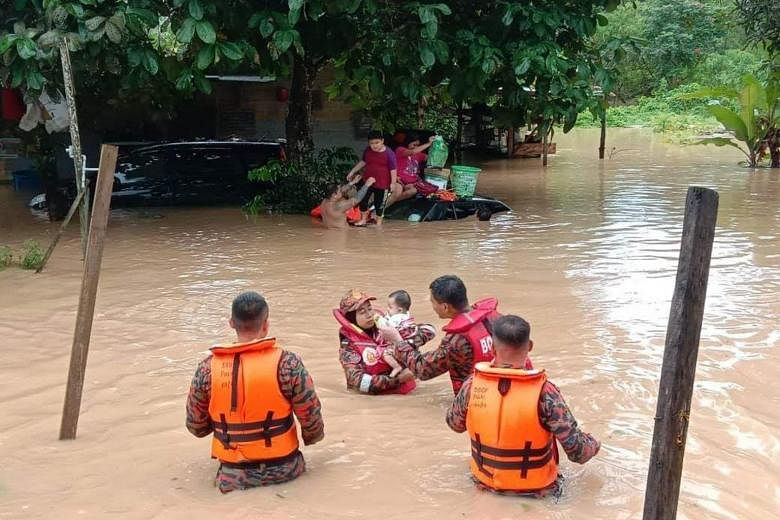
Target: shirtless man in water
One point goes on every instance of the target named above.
(334, 208)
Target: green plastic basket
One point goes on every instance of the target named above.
(464, 180)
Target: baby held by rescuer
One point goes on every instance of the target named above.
(398, 305)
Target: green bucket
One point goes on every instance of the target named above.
(464, 180)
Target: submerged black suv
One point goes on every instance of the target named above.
(185, 173)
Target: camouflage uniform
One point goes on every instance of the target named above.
(353, 365)
(297, 386)
(454, 352)
(554, 416)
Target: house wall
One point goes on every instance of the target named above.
(251, 110)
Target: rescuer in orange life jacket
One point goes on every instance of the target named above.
(246, 393)
(514, 417)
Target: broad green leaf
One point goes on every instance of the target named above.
(295, 4)
(205, 31)
(266, 28)
(231, 50)
(293, 16)
(93, 23)
(6, 42)
(731, 121)
(150, 63)
(184, 82)
(75, 9)
(46, 40)
(119, 20)
(254, 20)
(283, 40)
(442, 8)
(35, 80)
(113, 32)
(426, 14)
(205, 57)
(202, 84)
(509, 16)
(522, 67)
(721, 141)
(186, 31)
(135, 56)
(195, 9)
(427, 56)
(442, 51)
(17, 77)
(429, 30)
(26, 48)
(145, 15)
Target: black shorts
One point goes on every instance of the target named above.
(378, 195)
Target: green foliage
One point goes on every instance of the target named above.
(32, 255)
(665, 111)
(299, 184)
(6, 256)
(761, 21)
(756, 119)
(527, 60)
(677, 43)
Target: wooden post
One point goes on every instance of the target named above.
(75, 141)
(57, 237)
(89, 284)
(545, 133)
(510, 142)
(682, 346)
(603, 140)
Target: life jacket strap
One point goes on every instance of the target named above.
(265, 430)
(476, 453)
(530, 458)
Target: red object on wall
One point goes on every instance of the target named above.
(12, 104)
(282, 94)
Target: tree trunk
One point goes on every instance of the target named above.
(603, 141)
(774, 148)
(459, 136)
(545, 134)
(421, 114)
(298, 125)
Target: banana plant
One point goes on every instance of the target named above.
(758, 117)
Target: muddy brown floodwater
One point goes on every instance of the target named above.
(588, 256)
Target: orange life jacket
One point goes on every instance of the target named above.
(510, 449)
(258, 429)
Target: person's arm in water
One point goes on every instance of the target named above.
(198, 418)
(555, 416)
(357, 379)
(347, 204)
(297, 386)
(456, 415)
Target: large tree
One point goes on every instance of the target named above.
(530, 61)
(527, 58)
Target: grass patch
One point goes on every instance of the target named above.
(32, 255)
(6, 257)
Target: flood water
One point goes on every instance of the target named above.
(588, 255)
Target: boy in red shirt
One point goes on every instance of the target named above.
(378, 163)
